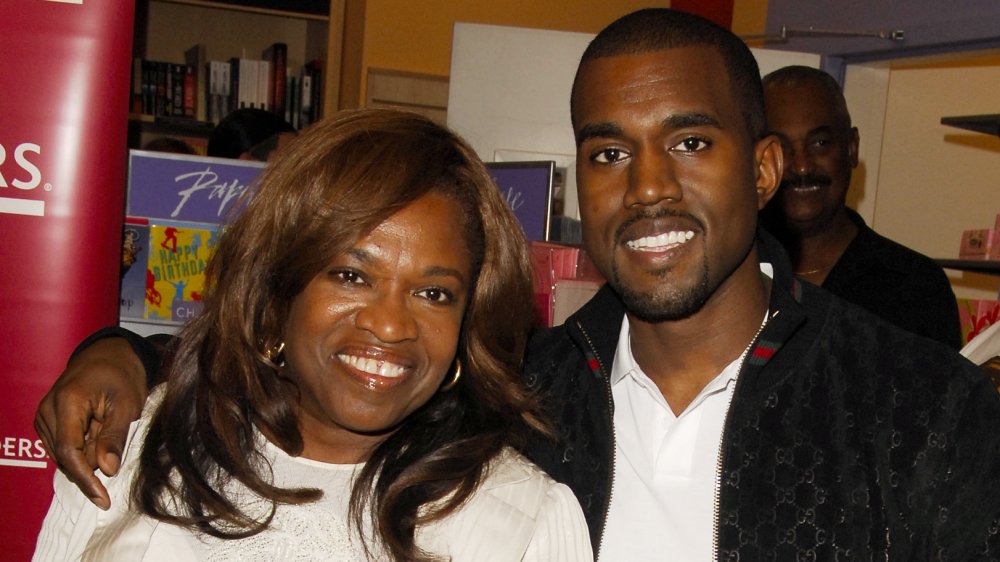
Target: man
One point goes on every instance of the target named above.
(707, 405)
(248, 134)
(829, 244)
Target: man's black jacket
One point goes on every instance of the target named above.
(847, 438)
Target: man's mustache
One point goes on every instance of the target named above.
(807, 180)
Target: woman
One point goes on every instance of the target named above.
(351, 389)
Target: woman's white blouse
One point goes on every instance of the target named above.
(518, 513)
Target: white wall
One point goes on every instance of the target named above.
(509, 94)
(866, 91)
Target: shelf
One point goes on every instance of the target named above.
(171, 125)
(144, 128)
(987, 124)
(978, 266)
(305, 9)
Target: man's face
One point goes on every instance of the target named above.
(820, 150)
(667, 177)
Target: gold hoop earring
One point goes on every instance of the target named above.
(275, 356)
(454, 377)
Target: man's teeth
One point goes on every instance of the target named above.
(805, 188)
(373, 366)
(660, 241)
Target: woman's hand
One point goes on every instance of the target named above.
(84, 419)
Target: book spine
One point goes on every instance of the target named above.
(263, 84)
(196, 57)
(162, 77)
(177, 92)
(316, 93)
(305, 95)
(135, 100)
(277, 56)
(234, 84)
(190, 92)
(292, 107)
(248, 81)
(212, 92)
(227, 89)
(168, 89)
(280, 75)
(148, 87)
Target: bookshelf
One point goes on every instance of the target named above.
(166, 29)
(144, 128)
(296, 8)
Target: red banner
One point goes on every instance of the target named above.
(63, 122)
(719, 11)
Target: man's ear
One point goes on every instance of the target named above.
(770, 160)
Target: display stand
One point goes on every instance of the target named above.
(990, 125)
(987, 124)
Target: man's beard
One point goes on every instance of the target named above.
(670, 304)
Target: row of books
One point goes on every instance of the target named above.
(207, 90)
(163, 89)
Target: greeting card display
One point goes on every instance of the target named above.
(177, 206)
(527, 188)
(188, 188)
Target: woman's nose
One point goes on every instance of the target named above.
(388, 317)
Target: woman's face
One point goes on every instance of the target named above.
(370, 339)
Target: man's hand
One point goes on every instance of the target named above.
(84, 419)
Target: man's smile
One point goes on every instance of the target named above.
(661, 242)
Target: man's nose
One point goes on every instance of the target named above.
(652, 179)
(798, 162)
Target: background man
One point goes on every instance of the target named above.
(829, 244)
(707, 405)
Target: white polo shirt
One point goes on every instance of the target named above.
(663, 498)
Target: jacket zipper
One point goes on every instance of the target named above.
(717, 507)
(611, 422)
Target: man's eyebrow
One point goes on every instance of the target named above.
(821, 130)
(694, 119)
(596, 130)
(677, 121)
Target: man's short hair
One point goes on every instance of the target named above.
(660, 29)
(791, 75)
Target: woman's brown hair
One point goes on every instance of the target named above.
(333, 184)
